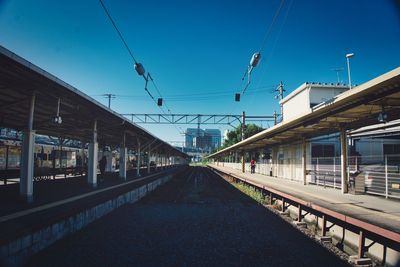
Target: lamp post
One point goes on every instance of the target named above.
(348, 56)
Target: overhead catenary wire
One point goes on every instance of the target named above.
(271, 51)
(134, 60)
(262, 45)
(119, 33)
(256, 57)
(206, 96)
(269, 29)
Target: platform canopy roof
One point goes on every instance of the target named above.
(355, 108)
(20, 79)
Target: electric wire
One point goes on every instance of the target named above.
(269, 56)
(268, 31)
(271, 25)
(134, 59)
(119, 33)
(207, 96)
(266, 35)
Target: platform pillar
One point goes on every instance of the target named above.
(138, 159)
(304, 162)
(148, 160)
(83, 157)
(243, 162)
(123, 152)
(27, 158)
(274, 160)
(27, 166)
(93, 157)
(343, 158)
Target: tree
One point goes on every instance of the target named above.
(235, 135)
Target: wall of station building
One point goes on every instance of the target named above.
(287, 161)
(371, 161)
(284, 162)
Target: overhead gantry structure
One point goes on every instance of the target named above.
(198, 119)
(36, 102)
(377, 100)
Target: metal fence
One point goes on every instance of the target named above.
(380, 173)
(325, 171)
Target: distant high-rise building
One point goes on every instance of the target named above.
(215, 137)
(190, 134)
(204, 139)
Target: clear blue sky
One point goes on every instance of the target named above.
(202, 47)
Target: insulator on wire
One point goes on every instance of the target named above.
(237, 97)
(139, 69)
(159, 102)
(255, 59)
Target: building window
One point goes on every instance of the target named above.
(391, 149)
(322, 150)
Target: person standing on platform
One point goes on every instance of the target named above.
(253, 166)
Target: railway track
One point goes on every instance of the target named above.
(197, 219)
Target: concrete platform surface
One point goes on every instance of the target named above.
(50, 191)
(372, 209)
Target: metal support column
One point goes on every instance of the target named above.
(93, 156)
(156, 161)
(123, 152)
(27, 157)
(300, 211)
(361, 244)
(323, 227)
(138, 158)
(343, 148)
(304, 162)
(148, 160)
(243, 162)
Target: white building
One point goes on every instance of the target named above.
(307, 96)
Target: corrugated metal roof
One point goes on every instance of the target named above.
(20, 79)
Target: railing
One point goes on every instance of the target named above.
(380, 174)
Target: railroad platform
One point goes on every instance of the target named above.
(375, 210)
(49, 191)
(66, 206)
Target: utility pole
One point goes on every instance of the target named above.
(109, 96)
(243, 153)
(280, 91)
(243, 124)
(198, 142)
